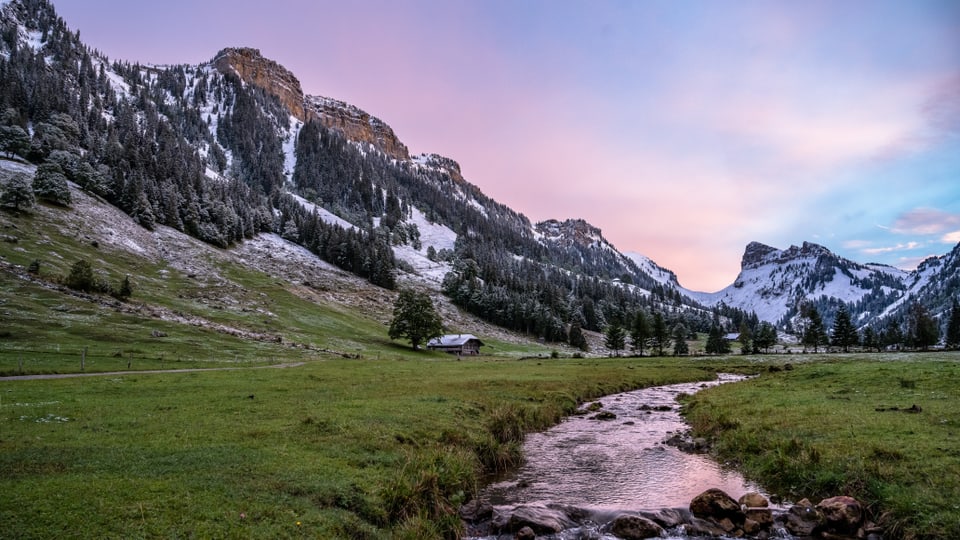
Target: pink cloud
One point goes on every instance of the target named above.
(926, 221)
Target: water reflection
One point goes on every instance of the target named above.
(619, 464)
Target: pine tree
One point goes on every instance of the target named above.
(871, 339)
(680, 347)
(716, 342)
(415, 318)
(576, 337)
(922, 329)
(660, 334)
(953, 326)
(745, 338)
(814, 335)
(615, 338)
(844, 334)
(640, 331)
(766, 337)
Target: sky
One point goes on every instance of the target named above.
(683, 129)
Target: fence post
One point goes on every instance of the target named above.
(83, 359)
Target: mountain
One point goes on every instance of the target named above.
(776, 283)
(233, 149)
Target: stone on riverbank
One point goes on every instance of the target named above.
(843, 514)
(541, 519)
(716, 504)
(630, 527)
(803, 519)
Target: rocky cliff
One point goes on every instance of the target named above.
(355, 124)
(254, 69)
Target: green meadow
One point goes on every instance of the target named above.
(334, 448)
(882, 428)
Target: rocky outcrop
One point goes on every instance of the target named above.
(357, 125)
(252, 68)
(351, 122)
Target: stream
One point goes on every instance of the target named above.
(619, 464)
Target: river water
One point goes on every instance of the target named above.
(618, 464)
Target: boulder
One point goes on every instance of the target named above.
(634, 527)
(842, 514)
(540, 519)
(525, 533)
(668, 518)
(803, 519)
(716, 504)
(702, 527)
(754, 500)
(476, 510)
(763, 517)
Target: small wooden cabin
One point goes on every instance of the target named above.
(460, 344)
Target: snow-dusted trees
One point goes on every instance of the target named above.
(50, 184)
(17, 192)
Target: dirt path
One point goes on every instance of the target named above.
(133, 372)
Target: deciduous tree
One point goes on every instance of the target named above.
(415, 318)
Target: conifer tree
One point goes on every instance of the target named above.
(576, 337)
(922, 329)
(680, 347)
(716, 343)
(615, 338)
(953, 326)
(660, 334)
(813, 335)
(844, 334)
(640, 331)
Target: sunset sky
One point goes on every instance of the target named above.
(683, 129)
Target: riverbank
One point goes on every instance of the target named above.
(333, 449)
(882, 428)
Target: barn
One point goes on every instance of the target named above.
(459, 344)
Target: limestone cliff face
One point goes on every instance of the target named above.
(254, 69)
(354, 123)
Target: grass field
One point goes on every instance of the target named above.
(332, 449)
(846, 424)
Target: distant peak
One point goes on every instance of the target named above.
(756, 253)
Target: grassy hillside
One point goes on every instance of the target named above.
(193, 305)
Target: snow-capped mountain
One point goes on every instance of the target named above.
(234, 148)
(775, 283)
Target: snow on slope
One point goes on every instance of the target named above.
(657, 272)
(431, 234)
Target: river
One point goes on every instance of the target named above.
(618, 464)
